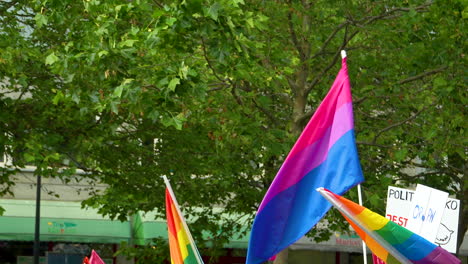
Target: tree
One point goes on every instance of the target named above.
(214, 94)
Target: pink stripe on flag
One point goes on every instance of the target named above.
(339, 94)
(95, 259)
(297, 166)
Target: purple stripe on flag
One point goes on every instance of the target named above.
(438, 256)
(297, 166)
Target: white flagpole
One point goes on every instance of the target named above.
(192, 242)
(364, 249)
(343, 54)
(372, 234)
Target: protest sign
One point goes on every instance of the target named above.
(400, 210)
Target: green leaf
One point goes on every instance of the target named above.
(69, 78)
(401, 154)
(127, 43)
(153, 115)
(183, 70)
(51, 59)
(192, 73)
(117, 8)
(76, 98)
(439, 82)
(84, 111)
(59, 96)
(41, 20)
(114, 107)
(118, 90)
(368, 88)
(128, 81)
(54, 156)
(163, 82)
(430, 133)
(213, 11)
(179, 121)
(173, 83)
(264, 101)
(28, 157)
(465, 13)
(158, 13)
(250, 22)
(375, 200)
(176, 121)
(102, 53)
(170, 21)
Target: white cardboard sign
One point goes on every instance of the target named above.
(399, 205)
(426, 210)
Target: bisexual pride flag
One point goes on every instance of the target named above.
(389, 241)
(324, 155)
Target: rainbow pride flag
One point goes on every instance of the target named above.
(182, 247)
(389, 241)
(324, 155)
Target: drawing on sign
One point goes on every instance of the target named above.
(443, 235)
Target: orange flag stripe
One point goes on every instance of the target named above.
(173, 225)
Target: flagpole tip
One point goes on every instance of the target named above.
(343, 54)
(166, 180)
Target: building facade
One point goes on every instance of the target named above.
(68, 231)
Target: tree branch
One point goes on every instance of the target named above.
(235, 95)
(158, 4)
(399, 123)
(217, 86)
(205, 55)
(330, 37)
(267, 113)
(422, 75)
(294, 36)
(331, 64)
(387, 13)
(363, 21)
(371, 144)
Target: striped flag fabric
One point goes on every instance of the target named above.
(182, 247)
(389, 241)
(324, 155)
